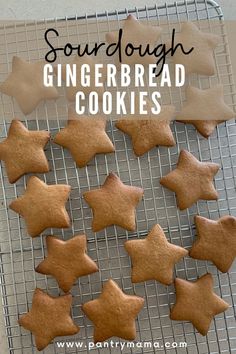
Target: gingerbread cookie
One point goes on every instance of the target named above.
(192, 180)
(154, 257)
(216, 241)
(67, 261)
(72, 90)
(196, 302)
(84, 137)
(23, 151)
(48, 318)
(113, 313)
(42, 206)
(146, 134)
(25, 84)
(205, 109)
(137, 33)
(114, 204)
(201, 59)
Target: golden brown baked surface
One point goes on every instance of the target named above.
(196, 302)
(192, 180)
(113, 203)
(49, 317)
(146, 134)
(23, 151)
(113, 313)
(42, 206)
(67, 260)
(216, 241)
(154, 257)
(84, 137)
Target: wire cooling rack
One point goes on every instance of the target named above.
(20, 254)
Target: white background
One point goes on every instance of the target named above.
(40, 9)
(36, 9)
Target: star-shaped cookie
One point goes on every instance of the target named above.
(67, 261)
(22, 151)
(216, 241)
(196, 302)
(114, 204)
(42, 206)
(154, 257)
(146, 134)
(192, 180)
(201, 59)
(84, 137)
(205, 109)
(25, 84)
(137, 33)
(79, 61)
(48, 318)
(113, 313)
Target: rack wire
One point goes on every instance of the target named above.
(20, 254)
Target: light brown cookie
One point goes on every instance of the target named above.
(137, 33)
(216, 241)
(205, 109)
(154, 257)
(114, 204)
(192, 180)
(146, 134)
(196, 302)
(49, 317)
(67, 261)
(201, 59)
(25, 84)
(84, 137)
(79, 61)
(42, 206)
(113, 313)
(22, 151)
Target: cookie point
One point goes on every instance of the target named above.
(207, 275)
(112, 174)
(131, 17)
(178, 281)
(37, 269)
(110, 282)
(68, 187)
(38, 291)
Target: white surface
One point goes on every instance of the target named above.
(38, 9)
(35, 9)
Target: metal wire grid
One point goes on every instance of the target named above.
(20, 254)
